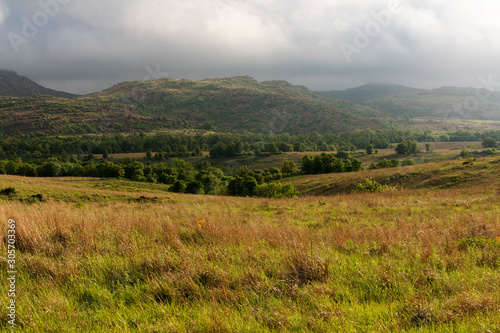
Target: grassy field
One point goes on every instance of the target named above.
(107, 255)
(441, 151)
(460, 174)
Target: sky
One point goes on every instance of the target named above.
(84, 46)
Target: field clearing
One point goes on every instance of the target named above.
(405, 260)
(441, 124)
(442, 151)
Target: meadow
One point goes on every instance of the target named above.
(109, 255)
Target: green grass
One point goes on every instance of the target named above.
(460, 174)
(422, 258)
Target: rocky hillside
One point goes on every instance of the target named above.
(14, 85)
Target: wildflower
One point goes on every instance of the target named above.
(201, 223)
(498, 239)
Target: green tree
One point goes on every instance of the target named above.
(276, 190)
(489, 142)
(289, 168)
(110, 170)
(407, 147)
(245, 186)
(178, 187)
(49, 169)
(307, 165)
(138, 175)
(194, 187)
(356, 165)
(272, 148)
(342, 154)
(369, 149)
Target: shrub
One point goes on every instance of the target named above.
(465, 153)
(195, 187)
(276, 190)
(385, 164)
(489, 142)
(289, 168)
(178, 187)
(488, 152)
(244, 186)
(49, 169)
(369, 185)
(8, 191)
(407, 162)
(407, 147)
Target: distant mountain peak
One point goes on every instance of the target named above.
(14, 85)
(369, 91)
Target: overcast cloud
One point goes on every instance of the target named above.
(85, 46)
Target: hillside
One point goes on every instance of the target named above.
(368, 91)
(445, 102)
(228, 104)
(240, 103)
(14, 85)
(461, 174)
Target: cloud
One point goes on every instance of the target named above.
(92, 44)
(3, 12)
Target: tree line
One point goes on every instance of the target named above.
(182, 176)
(33, 146)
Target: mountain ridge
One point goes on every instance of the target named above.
(15, 85)
(368, 91)
(446, 102)
(224, 104)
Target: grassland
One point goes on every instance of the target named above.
(441, 151)
(461, 174)
(107, 255)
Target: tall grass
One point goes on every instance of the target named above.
(393, 261)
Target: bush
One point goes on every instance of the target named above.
(276, 190)
(369, 185)
(8, 191)
(392, 163)
(407, 162)
(465, 153)
(49, 169)
(243, 186)
(138, 175)
(27, 170)
(194, 187)
(488, 152)
(489, 142)
(178, 187)
(407, 147)
(289, 167)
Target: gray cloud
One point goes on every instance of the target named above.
(86, 46)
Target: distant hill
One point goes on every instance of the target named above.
(448, 102)
(368, 91)
(224, 104)
(14, 85)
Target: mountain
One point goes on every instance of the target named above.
(447, 102)
(224, 104)
(14, 85)
(368, 91)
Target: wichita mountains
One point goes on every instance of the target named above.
(227, 104)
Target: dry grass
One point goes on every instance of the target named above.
(394, 261)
